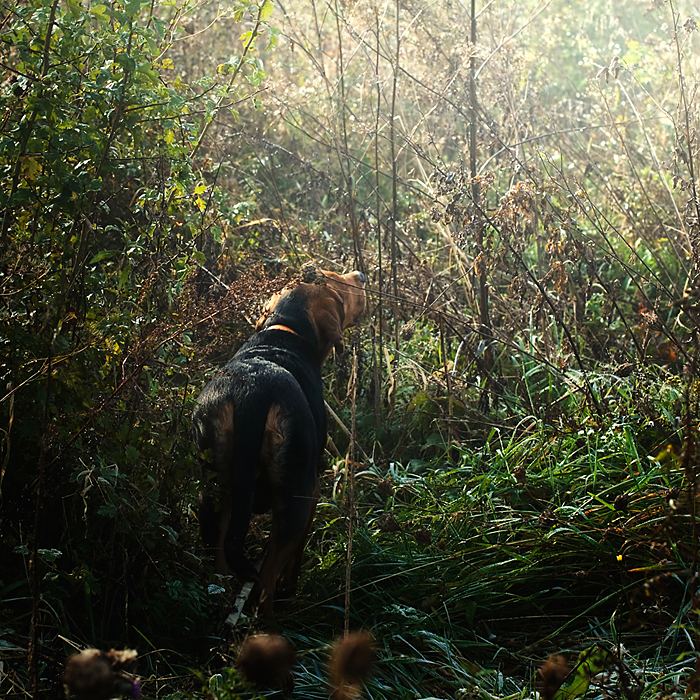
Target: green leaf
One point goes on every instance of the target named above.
(272, 40)
(126, 62)
(50, 555)
(257, 76)
(133, 7)
(147, 71)
(100, 13)
(75, 9)
(590, 663)
(89, 115)
(123, 278)
(109, 510)
(172, 534)
(102, 255)
(266, 10)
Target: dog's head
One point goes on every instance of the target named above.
(331, 304)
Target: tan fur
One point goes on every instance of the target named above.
(327, 314)
(273, 438)
(269, 306)
(224, 422)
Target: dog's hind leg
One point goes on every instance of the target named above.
(291, 477)
(241, 494)
(213, 431)
(214, 523)
(287, 582)
(286, 544)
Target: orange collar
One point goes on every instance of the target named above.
(280, 327)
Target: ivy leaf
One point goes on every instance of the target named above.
(49, 555)
(109, 510)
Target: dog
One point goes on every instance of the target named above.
(260, 427)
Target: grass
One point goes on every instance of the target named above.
(471, 565)
(472, 572)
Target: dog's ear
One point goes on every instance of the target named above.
(327, 314)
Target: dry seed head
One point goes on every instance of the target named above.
(351, 663)
(267, 661)
(551, 676)
(388, 523)
(385, 488)
(423, 536)
(93, 674)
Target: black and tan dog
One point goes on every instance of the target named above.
(261, 426)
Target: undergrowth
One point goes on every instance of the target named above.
(473, 569)
(518, 183)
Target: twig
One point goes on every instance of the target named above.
(350, 480)
(379, 335)
(344, 428)
(394, 172)
(32, 661)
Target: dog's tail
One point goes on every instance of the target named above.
(232, 453)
